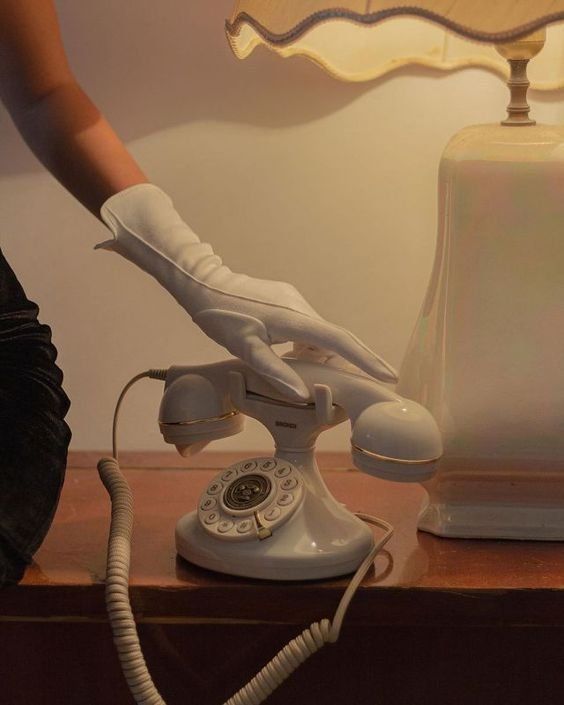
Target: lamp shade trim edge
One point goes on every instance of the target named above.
(284, 38)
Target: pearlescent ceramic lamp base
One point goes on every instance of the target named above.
(487, 354)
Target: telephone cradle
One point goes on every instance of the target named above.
(274, 517)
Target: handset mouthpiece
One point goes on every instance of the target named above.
(195, 410)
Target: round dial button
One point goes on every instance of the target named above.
(283, 471)
(268, 465)
(289, 483)
(272, 514)
(211, 518)
(248, 466)
(224, 526)
(285, 499)
(215, 488)
(244, 526)
(229, 475)
(208, 503)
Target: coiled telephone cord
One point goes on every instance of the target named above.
(121, 617)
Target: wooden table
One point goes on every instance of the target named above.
(437, 621)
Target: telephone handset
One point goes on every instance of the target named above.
(274, 517)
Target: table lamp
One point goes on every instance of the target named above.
(487, 353)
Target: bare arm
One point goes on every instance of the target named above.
(55, 117)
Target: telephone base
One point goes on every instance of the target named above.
(301, 550)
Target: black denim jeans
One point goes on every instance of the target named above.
(33, 434)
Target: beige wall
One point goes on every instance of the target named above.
(287, 172)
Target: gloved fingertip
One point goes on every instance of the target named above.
(383, 372)
(294, 392)
(106, 245)
(281, 376)
(391, 376)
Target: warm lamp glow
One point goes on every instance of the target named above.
(353, 43)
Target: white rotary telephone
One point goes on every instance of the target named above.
(274, 517)
(269, 517)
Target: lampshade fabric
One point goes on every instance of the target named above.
(353, 42)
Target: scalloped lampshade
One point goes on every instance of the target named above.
(356, 41)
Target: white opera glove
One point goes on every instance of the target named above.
(243, 314)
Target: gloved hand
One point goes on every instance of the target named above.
(243, 314)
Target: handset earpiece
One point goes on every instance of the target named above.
(196, 408)
(392, 437)
(396, 440)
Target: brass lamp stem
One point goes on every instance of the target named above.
(518, 54)
(518, 83)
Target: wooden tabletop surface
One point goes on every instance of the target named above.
(418, 579)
